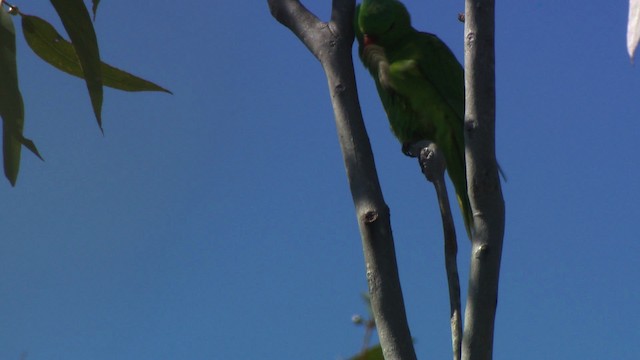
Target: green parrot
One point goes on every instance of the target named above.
(420, 83)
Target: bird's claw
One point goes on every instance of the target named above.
(413, 149)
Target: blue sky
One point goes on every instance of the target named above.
(217, 223)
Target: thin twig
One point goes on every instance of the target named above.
(432, 163)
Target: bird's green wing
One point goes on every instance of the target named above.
(431, 77)
(441, 68)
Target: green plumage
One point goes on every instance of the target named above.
(420, 82)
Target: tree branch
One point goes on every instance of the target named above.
(331, 44)
(485, 193)
(433, 164)
(306, 26)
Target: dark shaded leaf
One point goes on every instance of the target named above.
(77, 22)
(51, 47)
(95, 8)
(31, 146)
(373, 353)
(11, 106)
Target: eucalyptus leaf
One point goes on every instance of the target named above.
(373, 353)
(77, 22)
(95, 8)
(11, 105)
(51, 47)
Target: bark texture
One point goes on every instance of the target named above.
(483, 180)
(331, 43)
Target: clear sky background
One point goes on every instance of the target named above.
(217, 223)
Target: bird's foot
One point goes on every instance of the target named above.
(413, 149)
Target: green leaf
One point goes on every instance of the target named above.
(51, 47)
(31, 146)
(95, 8)
(372, 353)
(11, 105)
(77, 22)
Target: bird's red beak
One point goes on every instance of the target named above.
(368, 40)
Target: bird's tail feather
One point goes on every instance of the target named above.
(457, 172)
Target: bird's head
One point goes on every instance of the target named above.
(383, 22)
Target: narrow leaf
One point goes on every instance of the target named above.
(51, 47)
(11, 106)
(633, 27)
(95, 8)
(373, 353)
(31, 146)
(77, 22)
(11, 149)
